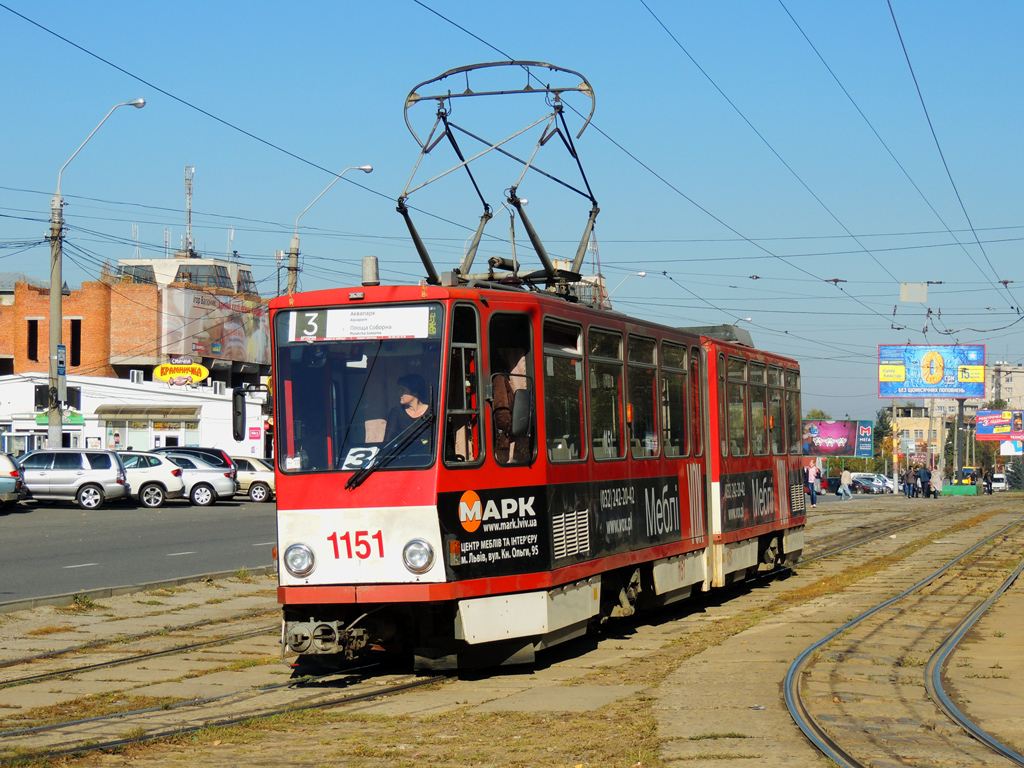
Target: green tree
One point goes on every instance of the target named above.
(816, 414)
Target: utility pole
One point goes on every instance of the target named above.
(293, 264)
(57, 354)
(57, 381)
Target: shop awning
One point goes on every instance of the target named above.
(148, 412)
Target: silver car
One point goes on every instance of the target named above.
(68, 474)
(204, 483)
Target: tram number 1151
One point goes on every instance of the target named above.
(358, 545)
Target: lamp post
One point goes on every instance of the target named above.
(608, 298)
(293, 253)
(58, 382)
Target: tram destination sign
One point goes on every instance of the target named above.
(919, 370)
(363, 323)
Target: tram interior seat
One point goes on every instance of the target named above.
(561, 449)
(375, 430)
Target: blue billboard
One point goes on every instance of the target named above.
(922, 370)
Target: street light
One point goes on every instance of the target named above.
(58, 382)
(608, 298)
(293, 253)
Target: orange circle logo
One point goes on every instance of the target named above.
(471, 511)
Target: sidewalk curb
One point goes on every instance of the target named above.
(69, 598)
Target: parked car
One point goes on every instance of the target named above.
(214, 456)
(833, 485)
(87, 477)
(152, 477)
(204, 483)
(864, 485)
(12, 482)
(887, 483)
(255, 477)
(999, 482)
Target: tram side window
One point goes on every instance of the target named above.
(673, 399)
(510, 343)
(793, 410)
(605, 367)
(737, 393)
(696, 412)
(641, 414)
(758, 410)
(563, 392)
(776, 433)
(462, 408)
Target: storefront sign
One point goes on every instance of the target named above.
(177, 374)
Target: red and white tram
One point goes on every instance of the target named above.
(476, 468)
(571, 465)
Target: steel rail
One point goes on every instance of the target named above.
(224, 723)
(139, 657)
(815, 734)
(935, 665)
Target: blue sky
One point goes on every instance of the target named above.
(736, 153)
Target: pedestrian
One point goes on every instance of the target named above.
(916, 484)
(988, 481)
(925, 476)
(908, 482)
(812, 480)
(845, 481)
(937, 483)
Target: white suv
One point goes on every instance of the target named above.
(152, 477)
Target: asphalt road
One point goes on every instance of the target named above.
(53, 550)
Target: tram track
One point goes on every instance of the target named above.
(859, 694)
(134, 727)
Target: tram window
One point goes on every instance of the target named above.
(641, 413)
(563, 392)
(793, 410)
(510, 342)
(338, 401)
(673, 399)
(605, 369)
(776, 433)
(737, 393)
(758, 410)
(696, 412)
(462, 403)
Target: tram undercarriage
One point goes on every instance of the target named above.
(511, 628)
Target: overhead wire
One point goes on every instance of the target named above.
(1010, 298)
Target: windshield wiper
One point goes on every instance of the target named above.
(398, 444)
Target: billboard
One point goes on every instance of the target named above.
(919, 370)
(839, 438)
(201, 324)
(1000, 425)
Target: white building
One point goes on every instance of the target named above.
(119, 414)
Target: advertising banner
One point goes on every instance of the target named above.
(839, 438)
(917, 370)
(201, 324)
(1000, 425)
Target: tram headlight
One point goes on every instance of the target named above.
(299, 560)
(418, 556)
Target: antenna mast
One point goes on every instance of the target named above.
(189, 243)
(135, 237)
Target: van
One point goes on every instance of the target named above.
(87, 478)
(999, 482)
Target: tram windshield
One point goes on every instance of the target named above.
(356, 388)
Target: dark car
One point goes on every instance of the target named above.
(863, 485)
(833, 485)
(214, 456)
